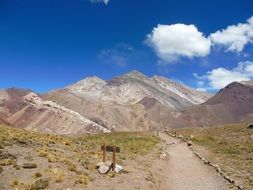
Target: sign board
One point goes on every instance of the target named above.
(110, 148)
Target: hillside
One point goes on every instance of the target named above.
(131, 102)
(232, 104)
(118, 102)
(25, 109)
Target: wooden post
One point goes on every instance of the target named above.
(114, 158)
(104, 153)
(112, 149)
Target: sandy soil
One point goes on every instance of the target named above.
(181, 170)
(186, 172)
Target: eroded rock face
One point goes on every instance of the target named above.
(131, 102)
(132, 87)
(23, 108)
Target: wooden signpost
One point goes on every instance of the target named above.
(112, 149)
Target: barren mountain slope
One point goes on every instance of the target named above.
(115, 116)
(232, 104)
(118, 102)
(134, 86)
(23, 108)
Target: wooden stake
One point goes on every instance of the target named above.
(104, 153)
(114, 158)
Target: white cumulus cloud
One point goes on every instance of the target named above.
(100, 1)
(220, 77)
(172, 42)
(234, 37)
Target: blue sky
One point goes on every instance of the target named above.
(48, 44)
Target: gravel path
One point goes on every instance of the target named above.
(186, 171)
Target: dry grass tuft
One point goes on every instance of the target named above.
(6, 162)
(83, 179)
(57, 175)
(37, 175)
(42, 152)
(15, 182)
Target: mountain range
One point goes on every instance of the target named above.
(131, 102)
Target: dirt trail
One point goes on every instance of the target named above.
(186, 172)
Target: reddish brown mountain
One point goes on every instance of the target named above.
(131, 102)
(23, 108)
(234, 103)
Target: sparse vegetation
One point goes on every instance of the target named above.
(29, 165)
(37, 175)
(6, 162)
(83, 179)
(15, 165)
(131, 143)
(57, 175)
(57, 158)
(40, 184)
(15, 182)
(42, 152)
(72, 167)
(229, 146)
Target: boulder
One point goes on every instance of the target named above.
(189, 143)
(100, 164)
(118, 168)
(163, 155)
(250, 126)
(181, 136)
(103, 169)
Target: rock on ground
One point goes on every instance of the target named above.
(103, 169)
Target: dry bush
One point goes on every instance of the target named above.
(57, 175)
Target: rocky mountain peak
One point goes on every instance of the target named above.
(89, 84)
(17, 92)
(135, 74)
(93, 79)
